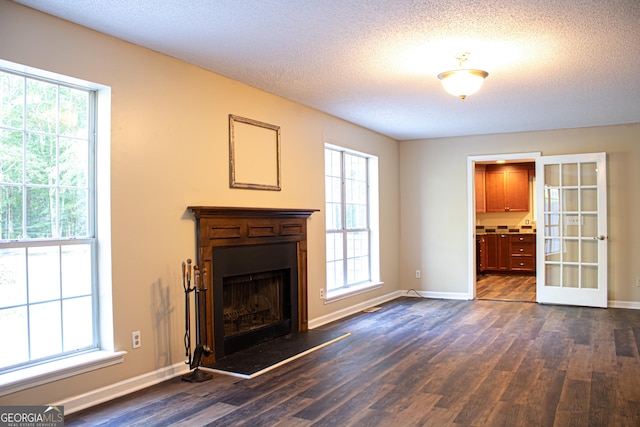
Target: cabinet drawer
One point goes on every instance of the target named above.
(522, 238)
(523, 264)
(522, 249)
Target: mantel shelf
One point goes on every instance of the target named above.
(226, 211)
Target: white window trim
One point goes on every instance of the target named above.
(33, 376)
(374, 229)
(342, 293)
(106, 355)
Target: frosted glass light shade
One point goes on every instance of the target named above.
(462, 83)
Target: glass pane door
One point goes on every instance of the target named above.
(572, 246)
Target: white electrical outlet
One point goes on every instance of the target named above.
(135, 339)
(418, 274)
(637, 281)
(321, 293)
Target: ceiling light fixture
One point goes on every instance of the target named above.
(462, 82)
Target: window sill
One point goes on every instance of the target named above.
(338, 294)
(34, 376)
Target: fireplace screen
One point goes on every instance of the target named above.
(251, 301)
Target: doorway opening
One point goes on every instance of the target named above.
(503, 227)
(506, 287)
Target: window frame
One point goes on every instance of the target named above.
(102, 352)
(27, 243)
(372, 281)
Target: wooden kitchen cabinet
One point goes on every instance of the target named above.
(507, 187)
(522, 249)
(481, 253)
(496, 252)
(506, 252)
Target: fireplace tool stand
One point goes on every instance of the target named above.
(199, 290)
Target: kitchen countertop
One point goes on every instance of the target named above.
(482, 230)
(505, 229)
(485, 232)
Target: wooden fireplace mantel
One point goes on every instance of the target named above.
(227, 211)
(237, 226)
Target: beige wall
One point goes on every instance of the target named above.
(434, 210)
(169, 150)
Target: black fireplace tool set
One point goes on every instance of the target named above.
(194, 283)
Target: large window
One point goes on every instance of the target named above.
(48, 306)
(348, 213)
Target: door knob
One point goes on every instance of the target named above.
(600, 237)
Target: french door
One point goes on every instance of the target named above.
(572, 229)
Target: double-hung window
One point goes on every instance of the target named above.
(348, 219)
(48, 305)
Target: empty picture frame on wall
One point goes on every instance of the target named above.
(254, 154)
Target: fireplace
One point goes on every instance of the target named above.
(257, 275)
(255, 295)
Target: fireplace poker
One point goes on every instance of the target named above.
(202, 311)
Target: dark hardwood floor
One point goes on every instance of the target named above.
(422, 362)
(506, 287)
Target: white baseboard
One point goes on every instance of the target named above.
(624, 304)
(633, 305)
(337, 315)
(112, 391)
(436, 295)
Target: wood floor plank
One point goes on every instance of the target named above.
(420, 405)
(580, 362)
(527, 373)
(628, 414)
(343, 413)
(604, 349)
(491, 345)
(507, 414)
(250, 413)
(462, 383)
(625, 343)
(628, 382)
(580, 330)
(511, 359)
(573, 405)
(602, 401)
(328, 401)
(636, 337)
(423, 362)
(543, 397)
(274, 416)
(480, 404)
(203, 417)
(405, 387)
(554, 350)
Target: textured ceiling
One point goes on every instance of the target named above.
(552, 63)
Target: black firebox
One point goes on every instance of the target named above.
(255, 295)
